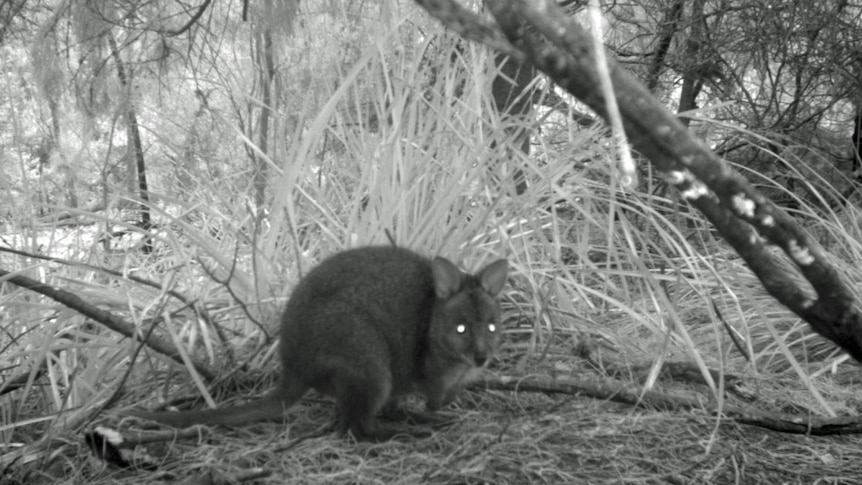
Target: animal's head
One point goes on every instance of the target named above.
(466, 322)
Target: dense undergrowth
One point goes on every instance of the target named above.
(635, 273)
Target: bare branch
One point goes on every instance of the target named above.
(197, 15)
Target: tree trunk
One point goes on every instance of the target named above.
(857, 143)
(136, 147)
(668, 29)
(692, 80)
(266, 62)
(514, 101)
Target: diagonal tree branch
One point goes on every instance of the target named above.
(472, 26)
(546, 37)
(106, 318)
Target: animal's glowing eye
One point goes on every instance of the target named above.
(461, 328)
(492, 328)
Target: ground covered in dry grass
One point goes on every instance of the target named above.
(527, 440)
(495, 437)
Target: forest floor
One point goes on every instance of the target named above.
(494, 437)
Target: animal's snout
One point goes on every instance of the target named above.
(480, 358)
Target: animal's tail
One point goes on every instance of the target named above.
(269, 408)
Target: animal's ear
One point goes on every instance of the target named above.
(447, 278)
(493, 277)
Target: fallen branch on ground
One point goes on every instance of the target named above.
(637, 396)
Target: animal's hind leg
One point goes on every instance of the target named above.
(291, 389)
(361, 397)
